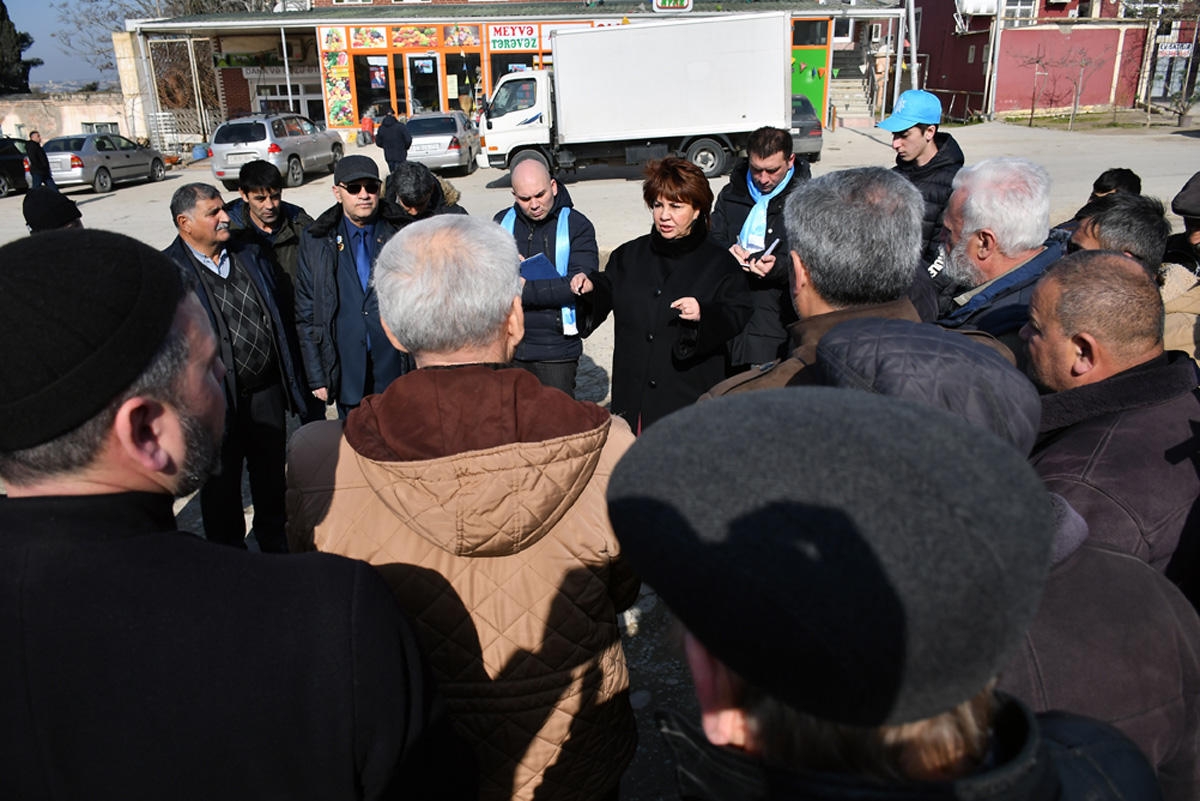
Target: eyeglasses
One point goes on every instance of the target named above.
(355, 188)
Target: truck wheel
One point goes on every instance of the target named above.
(708, 155)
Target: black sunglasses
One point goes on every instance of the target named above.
(357, 187)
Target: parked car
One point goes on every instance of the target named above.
(292, 143)
(806, 129)
(102, 160)
(13, 173)
(444, 139)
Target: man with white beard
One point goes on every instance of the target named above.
(997, 245)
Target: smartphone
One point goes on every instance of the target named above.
(762, 253)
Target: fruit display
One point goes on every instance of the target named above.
(367, 37)
(459, 35)
(414, 37)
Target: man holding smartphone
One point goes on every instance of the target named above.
(748, 219)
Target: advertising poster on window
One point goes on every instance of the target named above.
(335, 75)
(461, 35)
(410, 36)
(364, 38)
(333, 39)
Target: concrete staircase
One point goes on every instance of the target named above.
(846, 91)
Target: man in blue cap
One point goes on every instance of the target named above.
(925, 156)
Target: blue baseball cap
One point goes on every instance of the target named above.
(913, 107)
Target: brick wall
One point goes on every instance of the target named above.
(237, 92)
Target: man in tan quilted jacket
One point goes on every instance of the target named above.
(479, 494)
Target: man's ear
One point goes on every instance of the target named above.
(986, 244)
(392, 337)
(1087, 354)
(514, 328)
(717, 691)
(799, 282)
(140, 428)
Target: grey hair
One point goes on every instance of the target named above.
(1009, 197)
(447, 283)
(858, 233)
(187, 196)
(1134, 224)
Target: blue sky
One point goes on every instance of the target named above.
(36, 18)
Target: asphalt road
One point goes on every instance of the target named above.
(611, 198)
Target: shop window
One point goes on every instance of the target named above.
(463, 73)
(810, 32)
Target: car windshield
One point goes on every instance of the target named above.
(802, 107)
(66, 144)
(237, 132)
(429, 126)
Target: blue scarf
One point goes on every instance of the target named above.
(754, 230)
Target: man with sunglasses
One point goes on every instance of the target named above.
(346, 354)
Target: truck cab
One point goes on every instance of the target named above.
(518, 117)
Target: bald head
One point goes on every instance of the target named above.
(1093, 314)
(533, 189)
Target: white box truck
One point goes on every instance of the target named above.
(693, 87)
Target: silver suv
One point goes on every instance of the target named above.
(292, 143)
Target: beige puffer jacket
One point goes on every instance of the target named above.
(504, 557)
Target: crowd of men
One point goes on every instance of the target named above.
(935, 537)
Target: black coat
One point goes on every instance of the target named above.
(765, 337)
(1054, 757)
(543, 299)
(393, 136)
(283, 249)
(662, 363)
(142, 662)
(273, 296)
(321, 252)
(1125, 454)
(934, 179)
(39, 163)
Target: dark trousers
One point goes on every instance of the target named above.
(256, 435)
(560, 375)
(37, 179)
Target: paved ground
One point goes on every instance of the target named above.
(611, 197)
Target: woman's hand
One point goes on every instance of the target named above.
(688, 308)
(580, 284)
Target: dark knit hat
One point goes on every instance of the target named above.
(864, 559)
(1187, 202)
(46, 209)
(84, 312)
(930, 365)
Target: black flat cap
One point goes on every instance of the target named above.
(864, 559)
(84, 312)
(1187, 202)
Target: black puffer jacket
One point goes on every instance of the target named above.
(393, 136)
(765, 336)
(543, 299)
(934, 180)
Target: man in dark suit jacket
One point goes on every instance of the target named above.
(139, 661)
(237, 288)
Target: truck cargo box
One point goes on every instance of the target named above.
(677, 77)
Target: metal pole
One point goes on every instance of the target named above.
(201, 115)
(898, 51)
(912, 42)
(287, 70)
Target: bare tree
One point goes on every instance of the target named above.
(86, 26)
